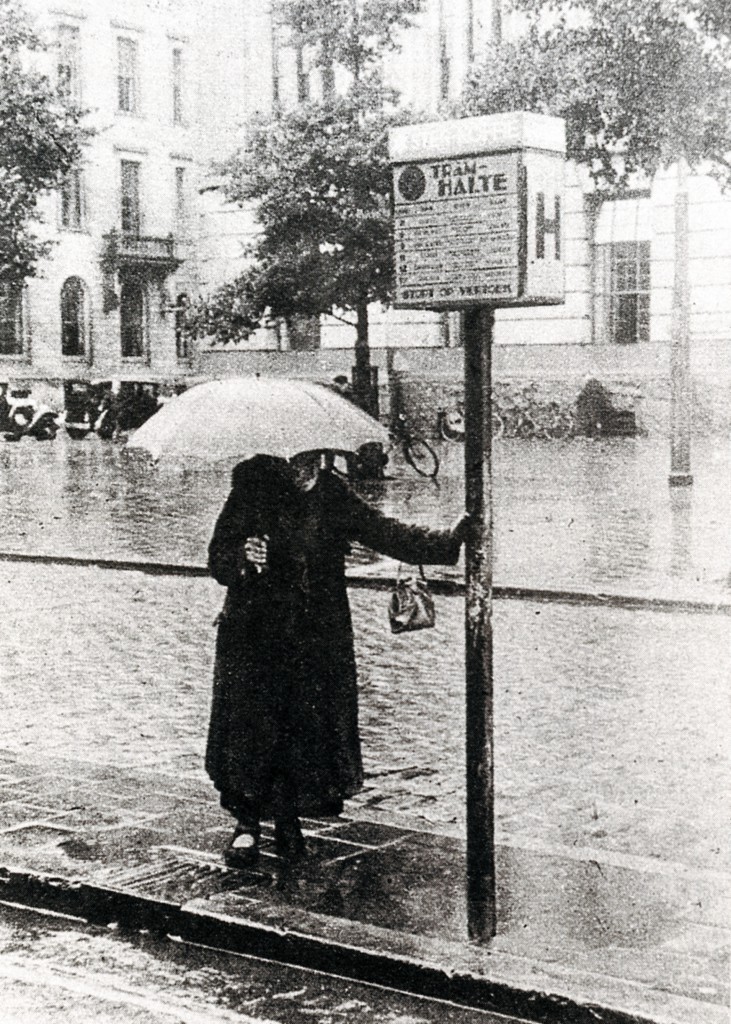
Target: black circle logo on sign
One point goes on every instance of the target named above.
(412, 183)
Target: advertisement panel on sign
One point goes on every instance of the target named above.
(475, 225)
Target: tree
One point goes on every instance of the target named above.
(40, 141)
(354, 34)
(319, 178)
(639, 86)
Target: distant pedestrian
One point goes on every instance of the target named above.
(283, 739)
(4, 406)
(342, 385)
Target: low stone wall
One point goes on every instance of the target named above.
(421, 381)
(638, 379)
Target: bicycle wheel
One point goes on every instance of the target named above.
(421, 457)
(451, 425)
(525, 428)
(568, 427)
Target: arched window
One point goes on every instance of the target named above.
(132, 320)
(73, 317)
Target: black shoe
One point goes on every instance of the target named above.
(288, 840)
(242, 856)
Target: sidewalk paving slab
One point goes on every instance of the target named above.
(582, 936)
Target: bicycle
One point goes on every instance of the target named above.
(416, 451)
(452, 426)
(451, 423)
(554, 422)
(517, 422)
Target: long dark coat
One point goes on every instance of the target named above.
(283, 735)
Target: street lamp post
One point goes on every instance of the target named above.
(680, 382)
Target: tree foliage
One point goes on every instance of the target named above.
(40, 141)
(319, 181)
(715, 17)
(639, 85)
(351, 33)
(319, 177)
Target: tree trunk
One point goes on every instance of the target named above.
(303, 82)
(327, 66)
(363, 390)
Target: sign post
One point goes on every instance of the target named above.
(478, 211)
(480, 785)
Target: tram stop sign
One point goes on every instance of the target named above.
(479, 212)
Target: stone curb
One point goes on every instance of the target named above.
(381, 580)
(444, 975)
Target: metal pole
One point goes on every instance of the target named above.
(680, 384)
(478, 331)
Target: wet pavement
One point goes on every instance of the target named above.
(611, 732)
(372, 902)
(611, 726)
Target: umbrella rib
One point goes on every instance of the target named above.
(316, 399)
(311, 390)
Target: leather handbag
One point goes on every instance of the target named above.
(412, 604)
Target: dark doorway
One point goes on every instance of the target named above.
(132, 320)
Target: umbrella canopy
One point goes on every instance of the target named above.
(243, 416)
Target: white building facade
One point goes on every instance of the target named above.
(124, 224)
(170, 86)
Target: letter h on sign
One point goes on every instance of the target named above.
(547, 227)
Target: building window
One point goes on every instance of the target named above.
(73, 317)
(68, 64)
(128, 100)
(178, 84)
(72, 201)
(622, 236)
(132, 319)
(11, 320)
(627, 302)
(130, 197)
(182, 350)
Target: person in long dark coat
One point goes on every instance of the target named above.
(283, 739)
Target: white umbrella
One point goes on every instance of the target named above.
(243, 416)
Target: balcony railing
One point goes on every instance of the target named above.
(127, 251)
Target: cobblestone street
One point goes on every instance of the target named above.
(53, 974)
(603, 717)
(611, 725)
(568, 772)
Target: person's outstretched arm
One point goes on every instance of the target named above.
(407, 543)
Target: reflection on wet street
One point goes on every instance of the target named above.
(567, 514)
